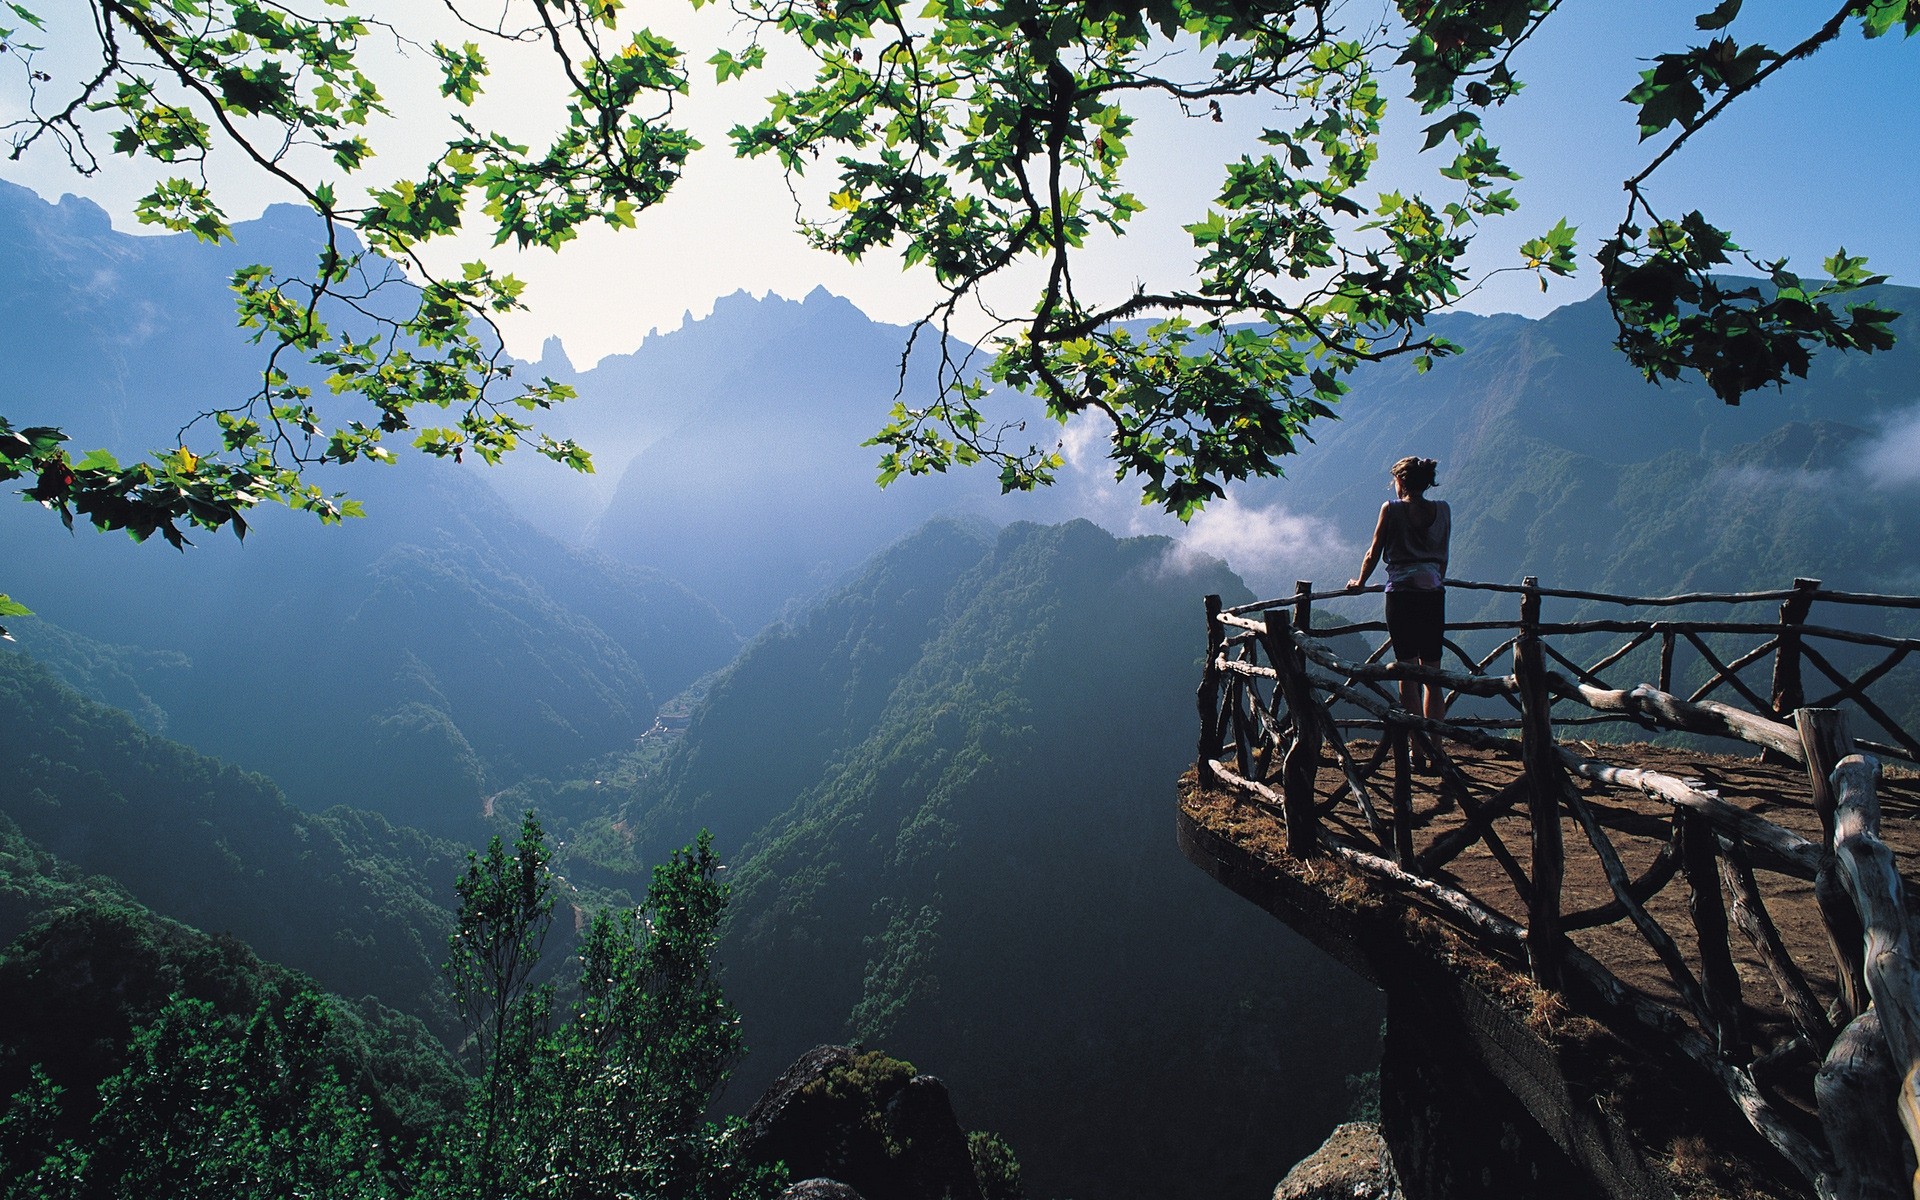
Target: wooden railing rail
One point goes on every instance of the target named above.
(1870, 599)
(1279, 703)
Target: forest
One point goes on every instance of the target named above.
(508, 820)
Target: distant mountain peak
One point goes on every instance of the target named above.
(554, 358)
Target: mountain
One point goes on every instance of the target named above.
(945, 788)
(1561, 462)
(95, 969)
(363, 906)
(412, 662)
(762, 492)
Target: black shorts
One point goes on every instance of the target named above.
(1416, 621)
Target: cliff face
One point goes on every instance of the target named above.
(1486, 1089)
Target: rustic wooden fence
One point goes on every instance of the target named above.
(1280, 706)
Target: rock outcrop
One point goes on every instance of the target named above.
(855, 1117)
(1352, 1164)
(820, 1189)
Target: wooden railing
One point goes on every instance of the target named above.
(1279, 705)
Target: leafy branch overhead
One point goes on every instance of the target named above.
(371, 342)
(1664, 277)
(984, 139)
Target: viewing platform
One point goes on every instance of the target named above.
(1696, 978)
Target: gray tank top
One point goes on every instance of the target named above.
(1416, 557)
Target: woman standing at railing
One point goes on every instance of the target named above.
(1412, 538)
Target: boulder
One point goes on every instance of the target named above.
(869, 1122)
(820, 1189)
(1352, 1164)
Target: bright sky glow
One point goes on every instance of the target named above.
(1821, 157)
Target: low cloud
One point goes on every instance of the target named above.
(1268, 546)
(1893, 460)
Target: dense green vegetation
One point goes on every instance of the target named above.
(142, 1057)
(360, 904)
(946, 785)
(136, 1048)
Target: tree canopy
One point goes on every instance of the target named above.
(978, 140)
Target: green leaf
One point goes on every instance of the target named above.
(1721, 16)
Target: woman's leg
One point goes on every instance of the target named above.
(1435, 706)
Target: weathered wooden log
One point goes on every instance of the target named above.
(1707, 716)
(1733, 669)
(1659, 873)
(1598, 987)
(1624, 601)
(1242, 732)
(1208, 696)
(1858, 685)
(1356, 780)
(1846, 938)
(1719, 982)
(1392, 715)
(1863, 1131)
(1853, 637)
(1656, 937)
(1402, 798)
(1825, 743)
(1301, 765)
(1252, 787)
(1504, 934)
(1870, 599)
(1239, 666)
(1867, 867)
(1853, 692)
(1633, 643)
(1721, 674)
(1750, 914)
(1776, 849)
(1787, 692)
(1459, 681)
(1546, 783)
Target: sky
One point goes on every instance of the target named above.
(1821, 157)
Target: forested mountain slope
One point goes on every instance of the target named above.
(93, 967)
(946, 791)
(362, 905)
(411, 662)
(1561, 462)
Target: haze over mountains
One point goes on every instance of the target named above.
(935, 731)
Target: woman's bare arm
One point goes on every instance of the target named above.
(1373, 551)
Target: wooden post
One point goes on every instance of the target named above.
(1666, 661)
(1720, 983)
(1301, 766)
(1402, 795)
(1850, 1092)
(1873, 882)
(1825, 741)
(1303, 606)
(1546, 780)
(1787, 694)
(1208, 697)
